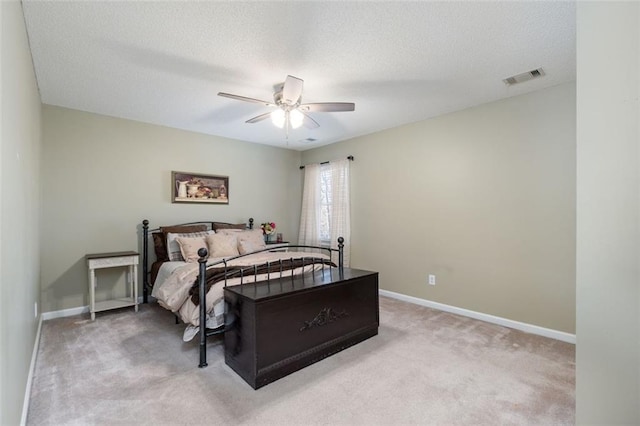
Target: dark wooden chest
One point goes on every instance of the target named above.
(286, 324)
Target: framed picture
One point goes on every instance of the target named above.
(199, 188)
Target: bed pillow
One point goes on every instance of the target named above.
(160, 246)
(238, 231)
(180, 229)
(173, 248)
(189, 247)
(249, 246)
(254, 239)
(222, 245)
(183, 229)
(221, 225)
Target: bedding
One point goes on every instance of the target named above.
(174, 288)
(155, 241)
(165, 271)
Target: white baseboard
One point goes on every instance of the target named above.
(32, 368)
(528, 328)
(75, 311)
(65, 313)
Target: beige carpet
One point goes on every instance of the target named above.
(425, 367)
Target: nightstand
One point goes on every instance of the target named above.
(278, 246)
(127, 259)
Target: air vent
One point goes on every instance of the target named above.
(525, 76)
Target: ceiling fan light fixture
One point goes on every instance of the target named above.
(295, 118)
(289, 111)
(277, 117)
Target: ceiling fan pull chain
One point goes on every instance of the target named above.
(286, 125)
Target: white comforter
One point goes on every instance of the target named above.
(175, 279)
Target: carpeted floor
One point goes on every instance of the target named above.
(425, 367)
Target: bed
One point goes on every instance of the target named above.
(279, 310)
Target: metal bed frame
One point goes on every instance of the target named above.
(201, 284)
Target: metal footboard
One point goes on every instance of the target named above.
(201, 282)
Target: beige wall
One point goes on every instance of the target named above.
(19, 212)
(608, 228)
(102, 176)
(483, 198)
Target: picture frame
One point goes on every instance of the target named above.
(198, 188)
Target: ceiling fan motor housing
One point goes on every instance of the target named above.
(281, 101)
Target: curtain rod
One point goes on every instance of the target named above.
(350, 157)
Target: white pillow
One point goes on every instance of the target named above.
(173, 248)
(255, 236)
(222, 245)
(249, 246)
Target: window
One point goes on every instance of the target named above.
(325, 212)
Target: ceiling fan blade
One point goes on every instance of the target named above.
(259, 118)
(309, 122)
(245, 99)
(292, 90)
(328, 107)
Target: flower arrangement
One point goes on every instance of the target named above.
(268, 228)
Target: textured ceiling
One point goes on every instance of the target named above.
(400, 62)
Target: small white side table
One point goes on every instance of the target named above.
(112, 260)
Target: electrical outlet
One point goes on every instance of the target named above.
(432, 279)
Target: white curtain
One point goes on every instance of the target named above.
(326, 211)
(309, 233)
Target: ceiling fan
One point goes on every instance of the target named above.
(290, 112)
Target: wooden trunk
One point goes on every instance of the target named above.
(286, 324)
